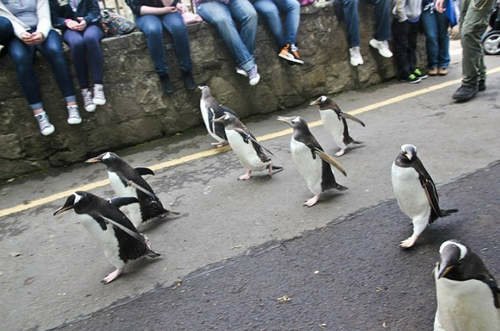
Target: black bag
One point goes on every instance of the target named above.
(115, 25)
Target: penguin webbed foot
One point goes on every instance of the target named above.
(311, 202)
(111, 276)
(220, 144)
(341, 152)
(408, 243)
(246, 176)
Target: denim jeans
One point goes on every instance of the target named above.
(152, 26)
(241, 43)
(271, 10)
(23, 55)
(382, 20)
(437, 40)
(6, 31)
(86, 52)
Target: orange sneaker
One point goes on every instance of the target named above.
(290, 53)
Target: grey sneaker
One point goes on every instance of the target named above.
(46, 128)
(99, 98)
(88, 103)
(253, 76)
(73, 115)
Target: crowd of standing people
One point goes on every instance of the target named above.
(28, 26)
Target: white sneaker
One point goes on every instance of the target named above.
(99, 98)
(240, 71)
(382, 47)
(356, 58)
(253, 76)
(88, 103)
(73, 115)
(46, 128)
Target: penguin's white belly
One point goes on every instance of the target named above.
(208, 125)
(245, 152)
(409, 192)
(334, 126)
(106, 239)
(309, 168)
(133, 210)
(465, 306)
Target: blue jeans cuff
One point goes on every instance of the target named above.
(70, 98)
(37, 105)
(248, 65)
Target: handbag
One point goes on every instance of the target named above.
(115, 25)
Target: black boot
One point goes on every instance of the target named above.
(465, 93)
(166, 85)
(481, 85)
(187, 77)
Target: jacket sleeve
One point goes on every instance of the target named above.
(399, 11)
(43, 11)
(93, 12)
(56, 15)
(135, 6)
(19, 27)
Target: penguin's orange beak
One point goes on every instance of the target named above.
(63, 209)
(94, 159)
(315, 102)
(287, 120)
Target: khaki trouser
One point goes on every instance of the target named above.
(474, 18)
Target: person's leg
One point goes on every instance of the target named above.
(219, 16)
(430, 26)
(443, 59)
(174, 24)
(269, 10)
(382, 19)
(74, 39)
(351, 18)
(400, 36)
(6, 31)
(92, 38)
(291, 10)
(245, 15)
(52, 50)
(412, 45)
(152, 28)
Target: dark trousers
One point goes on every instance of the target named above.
(86, 53)
(23, 56)
(404, 37)
(6, 31)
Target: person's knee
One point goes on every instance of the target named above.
(152, 28)
(21, 58)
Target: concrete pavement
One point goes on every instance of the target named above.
(50, 267)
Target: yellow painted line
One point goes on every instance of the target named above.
(212, 152)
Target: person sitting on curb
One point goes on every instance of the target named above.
(405, 26)
(226, 15)
(286, 38)
(6, 32)
(382, 29)
(152, 17)
(30, 20)
(79, 21)
(474, 16)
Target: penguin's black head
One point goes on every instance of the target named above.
(205, 90)
(226, 119)
(451, 254)
(320, 101)
(408, 151)
(79, 201)
(295, 122)
(110, 159)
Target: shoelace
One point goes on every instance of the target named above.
(98, 92)
(73, 112)
(43, 121)
(87, 97)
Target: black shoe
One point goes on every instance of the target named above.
(481, 85)
(166, 85)
(465, 93)
(189, 82)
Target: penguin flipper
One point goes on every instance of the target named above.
(122, 201)
(327, 158)
(225, 109)
(248, 136)
(133, 234)
(144, 171)
(352, 118)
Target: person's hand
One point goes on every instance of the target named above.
(440, 6)
(26, 37)
(71, 24)
(82, 25)
(170, 9)
(37, 38)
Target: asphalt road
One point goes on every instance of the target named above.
(50, 267)
(348, 275)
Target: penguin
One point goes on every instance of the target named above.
(115, 233)
(311, 161)
(415, 192)
(334, 121)
(244, 144)
(210, 110)
(127, 181)
(468, 297)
